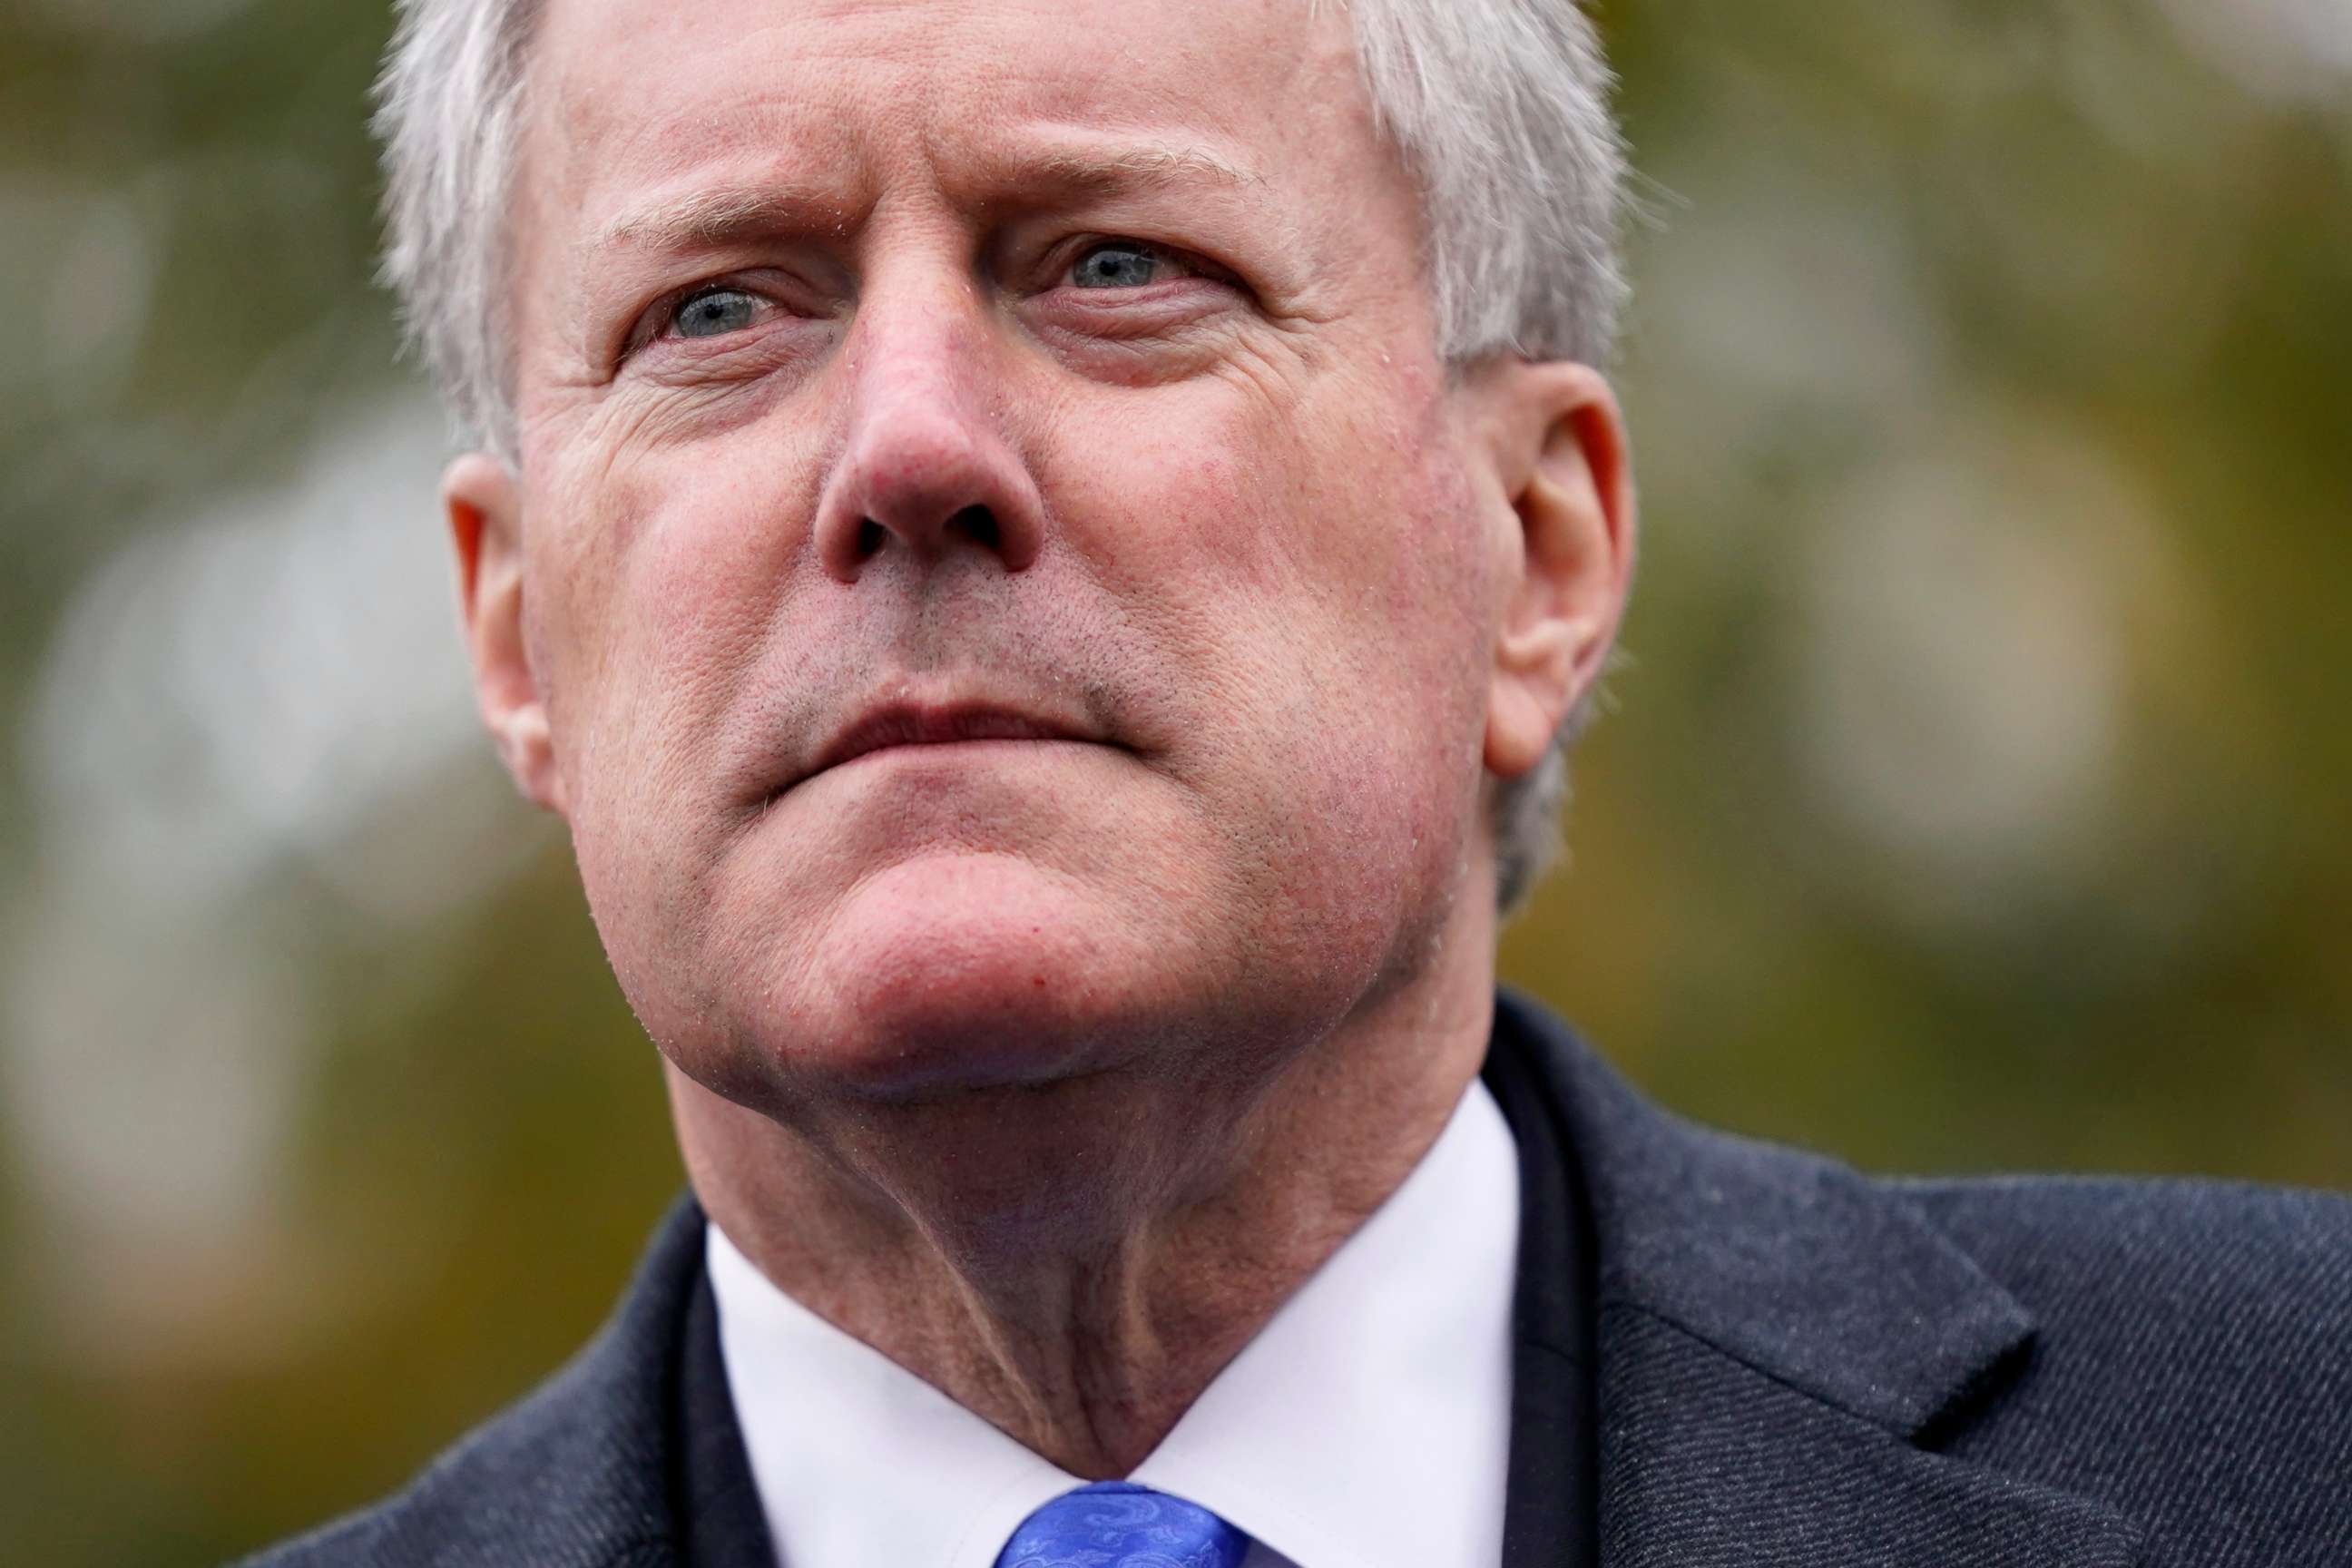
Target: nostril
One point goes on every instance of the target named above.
(870, 537)
(976, 523)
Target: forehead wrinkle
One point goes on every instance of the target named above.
(730, 212)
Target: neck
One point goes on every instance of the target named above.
(1088, 1322)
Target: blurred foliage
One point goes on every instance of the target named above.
(1978, 795)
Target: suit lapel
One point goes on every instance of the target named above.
(1550, 1512)
(719, 1520)
(1706, 1459)
(1777, 1348)
(641, 1424)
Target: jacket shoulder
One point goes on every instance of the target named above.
(2188, 1362)
(573, 1475)
(471, 1504)
(2186, 1255)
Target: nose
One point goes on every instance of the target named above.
(927, 468)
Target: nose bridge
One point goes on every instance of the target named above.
(927, 465)
(917, 342)
(914, 411)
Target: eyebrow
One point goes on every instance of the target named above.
(727, 215)
(1151, 167)
(721, 216)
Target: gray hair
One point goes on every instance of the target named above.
(1498, 107)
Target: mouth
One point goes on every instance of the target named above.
(924, 724)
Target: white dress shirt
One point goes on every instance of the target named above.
(1366, 1426)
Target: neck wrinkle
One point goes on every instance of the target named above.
(1088, 1337)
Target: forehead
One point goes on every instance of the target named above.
(631, 90)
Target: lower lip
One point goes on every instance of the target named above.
(955, 750)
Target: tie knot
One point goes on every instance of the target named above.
(1118, 1524)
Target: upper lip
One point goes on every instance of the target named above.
(914, 723)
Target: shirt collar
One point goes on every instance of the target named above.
(1366, 1426)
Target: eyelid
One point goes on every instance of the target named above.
(1119, 242)
(678, 305)
(655, 322)
(1066, 257)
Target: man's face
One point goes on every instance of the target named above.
(1053, 374)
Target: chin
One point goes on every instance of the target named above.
(956, 971)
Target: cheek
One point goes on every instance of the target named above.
(665, 573)
(1331, 546)
(653, 584)
(1317, 576)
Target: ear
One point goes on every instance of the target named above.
(1565, 521)
(485, 507)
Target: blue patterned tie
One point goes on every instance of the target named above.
(1118, 1524)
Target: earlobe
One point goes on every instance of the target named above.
(484, 512)
(1561, 457)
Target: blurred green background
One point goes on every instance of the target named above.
(1979, 791)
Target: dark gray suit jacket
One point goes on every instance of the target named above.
(1727, 1353)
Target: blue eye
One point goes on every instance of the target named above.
(714, 313)
(1118, 265)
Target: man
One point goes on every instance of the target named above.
(1046, 551)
